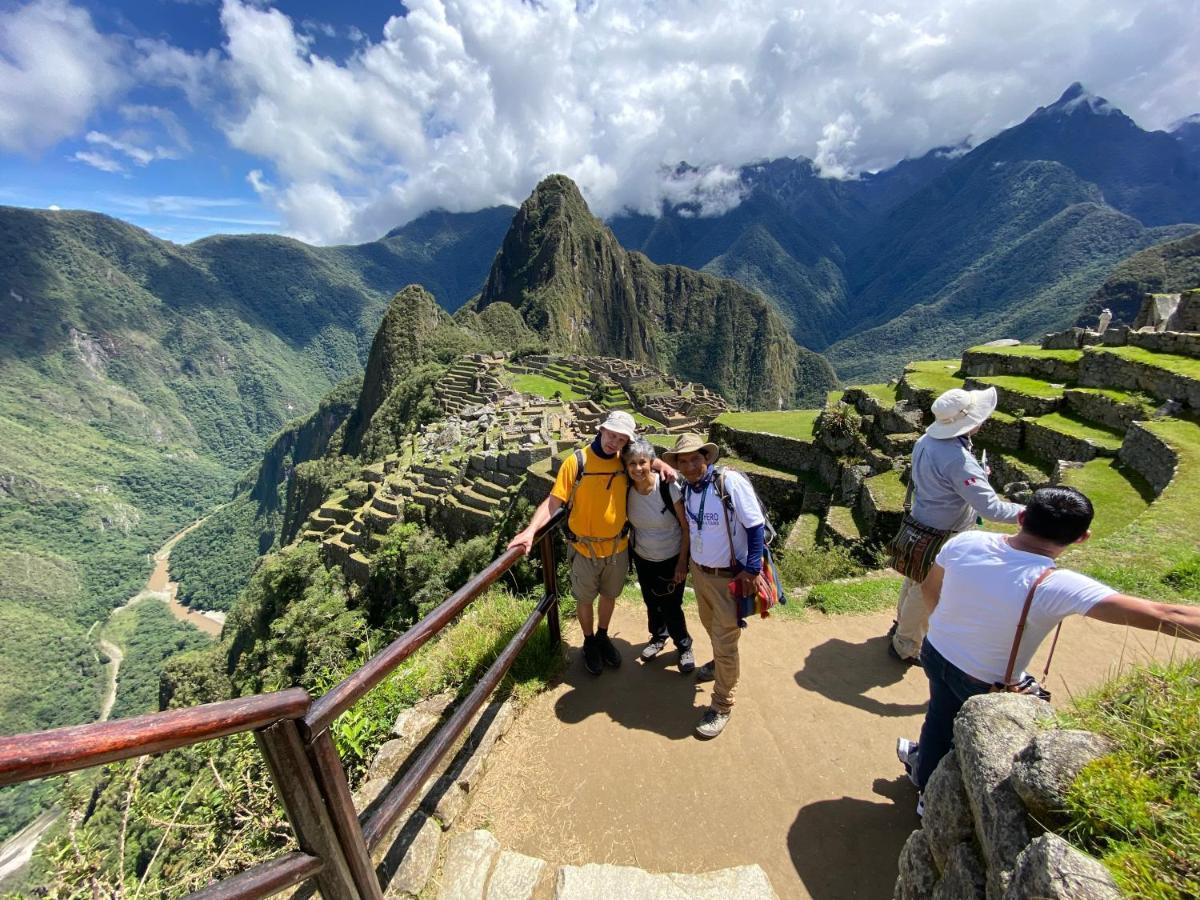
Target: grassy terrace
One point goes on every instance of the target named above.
(1031, 350)
(1096, 434)
(541, 386)
(1156, 554)
(935, 375)
(884, 393)
(1019, 384)
(1119, 494)
(789, 423)
(1187, 366)
(887, 490)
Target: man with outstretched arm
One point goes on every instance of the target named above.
(980, 584)
(726, 544)
(597, 530)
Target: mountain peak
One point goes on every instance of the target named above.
(1076, 99)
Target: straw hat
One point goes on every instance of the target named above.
(620, 422)
(691, 443)
(958, 411)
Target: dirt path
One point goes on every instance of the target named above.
(115, 658)
(804, 781)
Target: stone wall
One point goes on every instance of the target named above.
(980, 833)
(984, 362)
(1102, 408)
(1010, 401)
(1054, 445)
(768, 449)
(1099, 369)
(1002, 433)
(1185, 343)
(1148, 455)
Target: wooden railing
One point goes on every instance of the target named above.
(292, 732)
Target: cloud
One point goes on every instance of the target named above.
(56, 69)
(138, 143)
(467, 103)
(101, 161)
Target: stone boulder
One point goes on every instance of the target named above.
(1051, 869)
(963, 877)
(1044, 770)
(989, 731)
(918, 874)
(947, 821)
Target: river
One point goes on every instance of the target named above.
(16, 852)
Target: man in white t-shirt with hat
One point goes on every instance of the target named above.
(949, 489)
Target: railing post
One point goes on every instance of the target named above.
(292, 773)
(550, 580)
(331, 778)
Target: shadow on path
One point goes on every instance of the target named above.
(651, 696)
(844, 672)
(849, 847)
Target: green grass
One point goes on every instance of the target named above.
(855, 597)
(1035, 467)
(1079, 428)
(1187, 366)
(1019, 384)
(1138, 808)
(541, 386)
(1156, 555)
(1119, 495)
(1031, 350)
(841, 519)
(645, 422)
(802, 536)
(800, 567)
(791, 423)
(884, 393)
(934, 375)
(1128, 398)
(887, 490)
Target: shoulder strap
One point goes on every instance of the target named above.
(1012, 656)
(579, 467)
(664, 491)
(719, 473)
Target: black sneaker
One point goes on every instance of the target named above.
(707, 672)
(608, 652)
(591, 655)
(687, 660)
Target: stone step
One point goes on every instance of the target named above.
(1009, 467)
(424, 499)
(1107, 406)
(373, 473)
(310, 535)
(1165, 376)
(385, 505)
(603, 880)
(381, 521)
(489, 488)
(1018, 395)
(1056, 437)
(478, 501)
(320, 522)
(1058, 366)
(339, 514)
(357, 568)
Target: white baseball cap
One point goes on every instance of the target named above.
(620, 422)
(958, 411)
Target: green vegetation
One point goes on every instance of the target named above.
(887, 490)
(148, 635)
(1138, 808)
(867, 595)
(213, 563)
(1185, 366)
(791, 423)
(1118, 494)
(1030, 350)
(1091, 432)
(1019, 384)
(1155, 555)
(886, 394)
(1168, 267)
(541, 386)
(805, 566)
(935, 375)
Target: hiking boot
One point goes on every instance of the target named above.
(907, 660)
(707, 672)
(906, 752)
(591, 655)
(654, 648)
(712, 723)
(687, 660)
(608, 652)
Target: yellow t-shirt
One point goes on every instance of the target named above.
(598, 510)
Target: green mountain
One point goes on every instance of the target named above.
(1165, 268)
(579, 290)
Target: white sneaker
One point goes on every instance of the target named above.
(908, 753)
(653, 648)
(712, 723)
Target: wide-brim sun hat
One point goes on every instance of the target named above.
(620, 422)
(957, 411)
(692, 443)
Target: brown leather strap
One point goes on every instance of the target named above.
(1012, 656)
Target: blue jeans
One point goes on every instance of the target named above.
(949, 688)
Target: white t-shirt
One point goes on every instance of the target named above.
(655, 530)
(983, 592)
(709, 539)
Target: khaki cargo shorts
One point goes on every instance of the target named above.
(604, 577)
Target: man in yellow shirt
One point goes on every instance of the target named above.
(596, 529)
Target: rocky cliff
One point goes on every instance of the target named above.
(583, 293)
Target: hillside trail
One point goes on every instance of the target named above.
(804, 781)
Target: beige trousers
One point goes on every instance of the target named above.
(912, 620)
(718, 615)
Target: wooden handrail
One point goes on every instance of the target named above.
(27, 756)
(263, 880)
(350, 690)
(397, 799)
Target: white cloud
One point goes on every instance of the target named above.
(56, 69)
(467, 103)
(101, 161)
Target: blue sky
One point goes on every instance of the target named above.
(337, 122)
